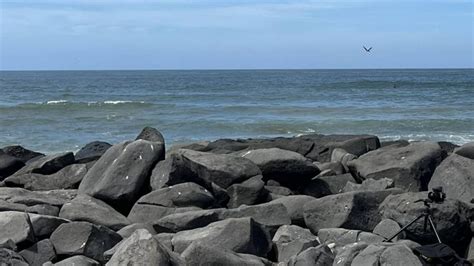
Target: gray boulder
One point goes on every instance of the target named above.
(370, 256)
(456, 175)
(165, 239)
(241, 235)
(248, 192)
(49, 164)
(151, 134)
(343, 157)
(399, 255)
(77, 260)
(21, 153)
(327, 185)
(351, 210)
(171, 171)
(42, 202)
(339, 237)
(10, 257)
(271, 214)
(314, 256)
(16, 227)
(336, 167)
(9, 165)
(290, 240)
(370, 185)
(39, 253)
(410, 167)
(347, 253)
(466, 150)
(128, 230)
(89, 209)
(120, 174)
(149, 213)
(44, 225)
(387, 228)
(279, 190)
(186, 220)
(294, 205)
(92, 151)
(83, 238)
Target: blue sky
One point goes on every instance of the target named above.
(219, 34)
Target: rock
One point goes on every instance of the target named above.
(448, 147)
(147, 213)
(119, 175)
(335, 167)
(466, 150)
(470, 251)
(16, 226)
(47, 165)
(21, 153)
(9, 165)
(186, 220)
(410, 167)
(370, 185)
(39, 208)
(77, 260)
(290, 240)
(399, 255)
(241, 235)
(450, 218)
(9, 257)
(346, 254)
(39, 253)
(286, 167)
(456, 175)
(141, 249)
(314, 256)
(387, 228)
(180, 195)
(89, 209)
(279, 190)
(294, 206)
(327, 185)
(270, 214)
(369, 256)
(398, 143)
(128, 230)
(248, 192)
(151, 134)
(165, 239)
(339, 237)
(92, 151)
(342, 156)
(351, 210)
(47, 202)
(83, 238)
(222, 169)
(221, 196)
(198, 254)
(171, 171)
(68, 177)
(44, 225)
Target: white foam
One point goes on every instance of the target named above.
(121, 102)
(56, 102)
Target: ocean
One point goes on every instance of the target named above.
(54, 111)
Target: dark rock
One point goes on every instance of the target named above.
(186, 220)
(171, 171)
(450, 218)
(285, 166)
(290, 240)
(294, 206)
(38, 208)
(198, 254)
(327, 185)
(410, 167)
(92, 151)
(456, 175)
(370, 185)
(351, 210)
(128, 230)
(89, 209)
(119, 176)
(9, 165)
(18, 197)
(241, 235)
(141, 248)
(221, 196)
(248, 192)
(44, 225)
(15, 226)
(147, 213)
(470, 251)
(39, 253)
(151, 134)
(466, 150)
(398, 143)
(180, 195)
(77, 260)
(314, 256)
(21, 153)
(68, 177)
(270, 214)
(448, 147)
(9, 257)
(387, 228)
(47, 165)
(83, 238)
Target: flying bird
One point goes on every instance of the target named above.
(367, 50)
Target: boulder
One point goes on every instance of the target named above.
(450, 218)
(466, 150)
(141, 248)
(68, 177)
(180, 195)
(9, 165)
(151, 134)
(370, 185)
(44, 225)
(43, 202)
(327, 185)
(279, 190)
(92, 151)
(128, 230)
(171, 171)
(290, 240)
(47, 165)
(369, 256)
(350, 210)
(387, 228)
(410, 167)
(89, 209)
(346, 254)
(16, 227)
(165, 239)
(119, 176)
(10, 257)
(314, 256)
(39, 253)
(271, 214)
(83, 238)
(148, 213)
(248, 192)
(339, 237)
(294, 206)
(77, 260)
(39, 208)
(286, 167)
(198, 254)
(21, 153)
(336, 167)
(343, 157)
(241, 235)
(186, 220)
(456, 175)
(399, 255)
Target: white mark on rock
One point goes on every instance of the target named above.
(151, 146)
(403, 157)
(126, 178)
(179, 193)
(243, 155)
(114, 161)
(124, 150)
(83, 244)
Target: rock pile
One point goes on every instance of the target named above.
(307, 200)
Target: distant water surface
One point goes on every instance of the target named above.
(53, 111)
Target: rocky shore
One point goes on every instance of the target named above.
(307, 200)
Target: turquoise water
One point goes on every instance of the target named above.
(53, 111)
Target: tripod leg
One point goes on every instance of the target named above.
(433, 227)
(404, 228)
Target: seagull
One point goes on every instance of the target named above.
(367, 50)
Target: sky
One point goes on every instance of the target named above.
(220, 34)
